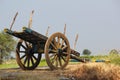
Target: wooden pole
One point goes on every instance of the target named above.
(47, 31)
(76, 39)
(13, 20)
(30, 21)
(64, 30)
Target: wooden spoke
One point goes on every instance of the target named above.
(34, 57)
(23, 56)
(23, 46)
(52, 51)
(62, 43)
(32, 61)
(65, 53)
(56, 62)
(53, 60)
(25, 60)
(53, 45)
(22, 51)
(53, 55)
(63, 48)
(63, 58)
(58, 43)
(26, 44)
(58, 39)
(28, 63)
(54, 42)
(60, 62)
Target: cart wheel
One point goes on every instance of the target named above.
(26, 57)
(57, 51)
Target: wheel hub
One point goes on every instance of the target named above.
(59, 51)
(29, 51)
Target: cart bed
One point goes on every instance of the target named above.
(28, 35)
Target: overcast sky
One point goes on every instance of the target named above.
(96, 21)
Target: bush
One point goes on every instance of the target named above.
(115, 58)
(86, 52)
(114, 51)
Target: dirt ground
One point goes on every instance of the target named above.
(41, 73)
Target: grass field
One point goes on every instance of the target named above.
(13, 64)
(113, 58)
(9, 64)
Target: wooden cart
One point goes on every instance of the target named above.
(32, 44)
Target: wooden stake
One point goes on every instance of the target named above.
(47, 31)
(76, 39)
(30, 21)
(64, 30)
(13, 20)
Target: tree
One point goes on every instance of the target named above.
(114, 51)
(7, 45)
(86, 52)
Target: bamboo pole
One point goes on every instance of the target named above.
(13, 21)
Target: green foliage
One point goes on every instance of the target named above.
(113, 58)
(7, 45)
(114, 51)
(86, 52)
(43, 63)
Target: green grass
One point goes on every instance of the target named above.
(114, 59)
(13, 64)
(9, 64)
(43, 63)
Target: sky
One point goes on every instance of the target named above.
(96, 21)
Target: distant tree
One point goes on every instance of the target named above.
(114, 51)
(7, 45)
(86, 52)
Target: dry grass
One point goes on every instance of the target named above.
(93, 71)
